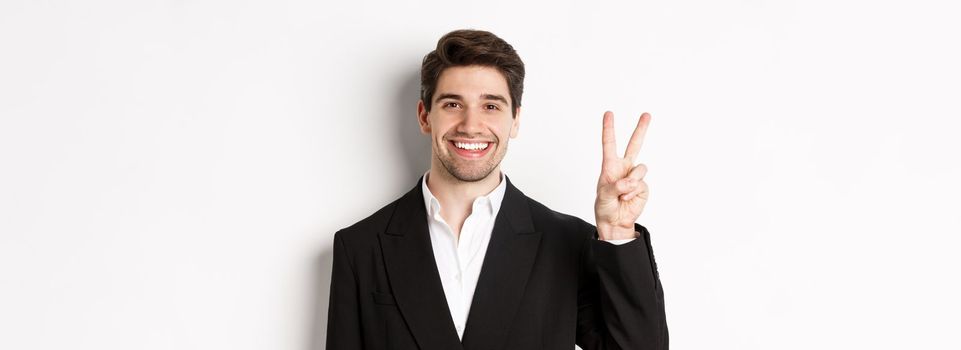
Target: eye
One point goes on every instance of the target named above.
(491, 107)
(451, 104)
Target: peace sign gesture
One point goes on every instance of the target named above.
(621, 191)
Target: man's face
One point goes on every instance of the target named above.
(470, 121)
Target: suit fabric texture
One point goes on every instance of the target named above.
(546, 283)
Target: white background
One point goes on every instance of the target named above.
(172, 172)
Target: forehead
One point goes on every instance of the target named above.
(472, 82)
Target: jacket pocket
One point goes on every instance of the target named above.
(394, 334)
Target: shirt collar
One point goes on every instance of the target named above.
(490, 202)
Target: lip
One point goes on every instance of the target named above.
(463, 153)
(470, 140)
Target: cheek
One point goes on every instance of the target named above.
(511, 130)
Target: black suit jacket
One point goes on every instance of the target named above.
(546, 283)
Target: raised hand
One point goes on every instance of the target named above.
(621, 191)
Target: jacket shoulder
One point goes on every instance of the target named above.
(367, 228)
(549, 220)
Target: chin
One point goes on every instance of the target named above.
(471, 177)
(468, 176)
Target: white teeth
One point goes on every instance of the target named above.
(471, 146)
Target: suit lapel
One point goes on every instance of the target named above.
(504, 274)
(413, 275)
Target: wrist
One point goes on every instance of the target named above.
(612, 232)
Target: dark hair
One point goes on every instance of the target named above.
(467, 47)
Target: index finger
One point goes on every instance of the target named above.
(607, 136)
(637, 139)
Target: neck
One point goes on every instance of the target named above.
(456, 196)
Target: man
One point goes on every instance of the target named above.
(465, 260)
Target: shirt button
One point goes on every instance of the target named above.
(457, 277)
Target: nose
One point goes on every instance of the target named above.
(472, 123)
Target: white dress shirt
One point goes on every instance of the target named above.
(459, 260)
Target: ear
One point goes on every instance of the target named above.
(517, 122)
(422, 118)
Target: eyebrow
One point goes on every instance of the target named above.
(450, 96)
(494, 97)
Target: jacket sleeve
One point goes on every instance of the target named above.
(343, 312)
(620, 300)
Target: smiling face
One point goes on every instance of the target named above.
(469, 122)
